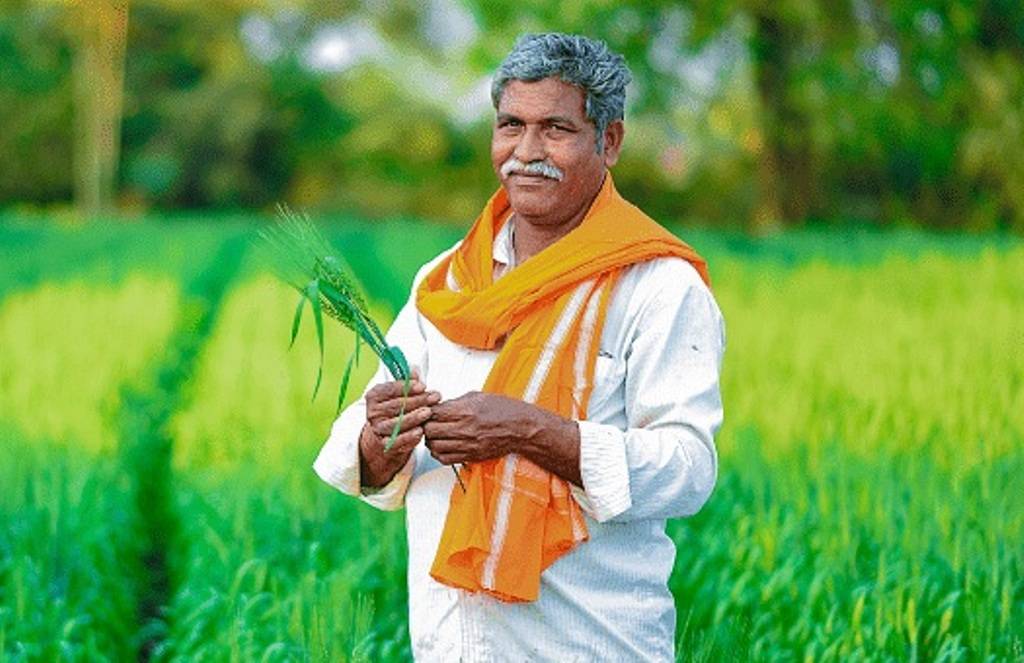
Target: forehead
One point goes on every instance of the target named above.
(544, 98)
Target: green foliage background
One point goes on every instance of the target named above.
(743, 113)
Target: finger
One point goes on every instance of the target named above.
(406, 441)
(397, 391)
(388, 390)
(392, 407)
(409, 420)
(446, 460)
(445, 446)
(450, 410)
(434, 429)
(448, 453)
(443, 457)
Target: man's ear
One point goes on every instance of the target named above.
(613, 135)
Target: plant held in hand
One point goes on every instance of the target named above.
(306, 261)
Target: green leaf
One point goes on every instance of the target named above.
(401, 413)
(376, 330)
(401, 362)
(297, 319)
(313, 294)
(353, 358)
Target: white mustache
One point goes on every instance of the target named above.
(549, 170)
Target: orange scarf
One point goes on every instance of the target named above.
(515, 518)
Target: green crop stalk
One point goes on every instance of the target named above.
(305, 260)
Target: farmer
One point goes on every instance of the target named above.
(567, 355)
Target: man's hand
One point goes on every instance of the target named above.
(383, 404)
(480, 426)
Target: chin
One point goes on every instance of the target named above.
(528, 205)
(532, 201)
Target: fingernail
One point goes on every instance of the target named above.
(435, 397)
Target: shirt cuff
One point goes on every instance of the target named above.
(338, 465)
(604, 470)
(390, 496)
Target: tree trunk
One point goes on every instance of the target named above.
(100, 29)
(787, 176)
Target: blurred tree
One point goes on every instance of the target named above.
(992, 154)
(206, 124)
(99, 28)
(35, 103)
(742, 111)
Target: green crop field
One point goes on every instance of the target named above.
(156, 496)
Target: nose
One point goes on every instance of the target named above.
(530, 146)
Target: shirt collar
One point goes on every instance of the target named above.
(502, 250)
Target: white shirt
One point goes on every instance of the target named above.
(646, 454)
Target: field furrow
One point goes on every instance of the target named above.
(158, 498)
(67, 534)
(146, 442)
(273, 565)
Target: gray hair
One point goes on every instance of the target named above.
(587, 63)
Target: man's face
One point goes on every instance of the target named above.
(545, 121)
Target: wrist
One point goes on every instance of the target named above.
(554, 444)
(373, 471)
(546, 432)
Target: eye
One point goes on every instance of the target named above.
(559, 130)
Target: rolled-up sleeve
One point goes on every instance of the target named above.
(663, 464)
(338, 461)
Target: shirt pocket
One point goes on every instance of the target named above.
(445, 363)
(609, 383)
